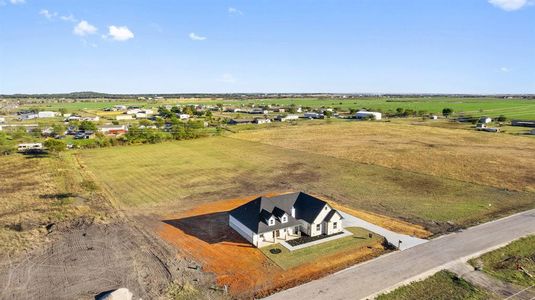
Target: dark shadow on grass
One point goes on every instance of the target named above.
(211, 228)
(59, 196)
(35, 154)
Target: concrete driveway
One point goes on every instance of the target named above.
(390, 271)
(393, 237)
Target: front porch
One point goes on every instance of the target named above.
(279, 235)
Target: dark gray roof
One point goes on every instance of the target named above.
(255, 214)
(330, 215)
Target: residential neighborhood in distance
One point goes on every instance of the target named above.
(270, 150)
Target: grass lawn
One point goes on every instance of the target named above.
(502, 263)
(441, 286)
(289, 259)
(177, 176)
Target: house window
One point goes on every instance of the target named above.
(318, 227)
(271, 222)
(335, 225)
(326, 208)
(284, 219)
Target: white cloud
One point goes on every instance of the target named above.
(47, 14)
(84, 28)
(510, 5)
(69, 18)
(227, 78)
(505, 69)
(234, 11)
(15, 2)
(120, 33)
(196, 37)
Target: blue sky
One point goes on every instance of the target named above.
(166, 46)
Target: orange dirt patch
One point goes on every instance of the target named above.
(202, 234)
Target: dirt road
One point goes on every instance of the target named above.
(390, 271)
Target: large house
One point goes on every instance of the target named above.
(267, 220)
(362, 114)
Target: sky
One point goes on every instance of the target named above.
(249, 46)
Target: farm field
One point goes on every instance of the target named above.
(441, 286)
(202, 234)
(493, 107)
(505, 263)
(178, 176)
(497, 160)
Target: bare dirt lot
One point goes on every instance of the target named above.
(202, 234)
(85, 259)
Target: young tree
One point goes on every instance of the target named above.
(87, 125)
(446, 112)
(55, 146)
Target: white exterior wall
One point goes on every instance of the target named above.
(46, 114)
(312, 115)
(242, 230)
(329, 226)
(364, 114)
(123, 117)
(2, 120)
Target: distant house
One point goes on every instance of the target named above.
(232, 109)
(240, 121)
(262, 121)
(362, 114)
(259, 111)
(523, 123)
(268, 220)
(466, 119)
(183, 116)
(532, 132)
(114, 129)
(433, 117)
(286, 118)
(46, 114)
(2, 120)
(91, 119)
(133, 111)
(123, 117)
(27, 116)
(141, 115)
(313, 115)
(30, 147)
(120, 107)
(485, 120)
(73, 118)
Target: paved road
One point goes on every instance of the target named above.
(392, 270)
(407, 241)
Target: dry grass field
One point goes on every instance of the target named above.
(36, 192)
(497, 160)
(178, 176)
